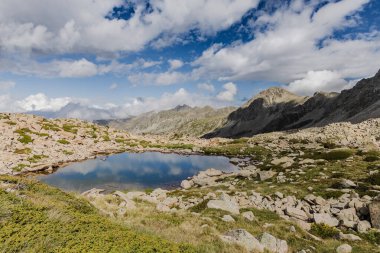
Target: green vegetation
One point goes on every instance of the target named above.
(4, 116)
(372, 156)
(63, 141)
(19, 168)
(50, 126)
(12, 123)
(324, 231)
(338, 154)
(24, 151)
(67, 152)
(24, 137)
(36, 158)
(106, 138)
(237, 150)
(70, 128)
(48, 220)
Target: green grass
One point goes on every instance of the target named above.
(48, 220)
(68, 152)
(70, 128)
(36, 158)
(63, 141)
(19, 167)
(24, 151)
(324, 231)
(236, 150)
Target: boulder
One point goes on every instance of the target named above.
(345, 183)
(187, 184)
(374, 211)
(326, 218)
(213, 172)
(244, 239)
(363, 226)
(272, 244)
(349, 237)
(344, 248)
(296, 213)
(228, 218)
(225, 203)
(266, 174)
(249, 215)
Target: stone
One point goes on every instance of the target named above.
(374, 212)
(266, 174)
(286, 161)
(325, 218)
(349, 237)
(225, 203)
(363, 226)
(249, 215)
(244, 239)
(228, 218)
(186, 184)
(296, 213)
(272, 244)
(346, 183)
(344, 248)
(162, 207)
(213, 172)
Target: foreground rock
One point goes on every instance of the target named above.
(226, 203)
(244, 239)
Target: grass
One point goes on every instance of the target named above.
(36, 158)
(236, 150)
(23, 151)
(63, 141)
(19, 167)
(324, 231)
(48, 220)
(68, 152)
(70, 128)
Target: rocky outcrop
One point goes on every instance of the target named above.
(277, 109)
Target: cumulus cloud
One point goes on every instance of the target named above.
(160, 79)
(6, 85)
(229, 92)
(175, 64)
(293, 41)
(206, 86)
(80, 68)
(324, 80)
(41, 102)
(113, 86)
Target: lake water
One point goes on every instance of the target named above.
(133, 171)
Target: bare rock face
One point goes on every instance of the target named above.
(325, 218)
(225, 203)
(374, 211)
(277, 109)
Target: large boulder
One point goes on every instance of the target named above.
(266, 174)
(272, 244)
(244, 239)
(344, 248)
(296, 213)
(187, 184)
(225, 203)
(374, 211)
(325, 218)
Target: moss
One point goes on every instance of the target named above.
(199, 207)
(339, 154)
(67, 152)
(36, 158)
(324, 231)
(63, 141)
(70, 128)
(23, 151)
(19, 167)
(9, 122)
(48, 220)
(106, 138)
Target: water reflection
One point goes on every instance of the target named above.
(133, 171)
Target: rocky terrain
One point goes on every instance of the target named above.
(310, 190)
(277, 109)
(180, 121)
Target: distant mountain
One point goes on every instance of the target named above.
(277, 109)
(182, 120)
(78, 111)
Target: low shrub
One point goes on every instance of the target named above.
(324, 231)
(63, 141)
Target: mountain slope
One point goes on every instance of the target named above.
(277, 109)
(182, 120)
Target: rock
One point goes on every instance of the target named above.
(128, 203)
(244, 239)
(374, 211)
(363, 226)
(186, 184)
(213, 172)
(249, 215)
(344, 248)
(93, 192)
(228, 218)
(349, 237)
(284, 161)
(345, 183)
(162, 207)
(326, 218)
(159, 194)
(292, 229)
(348, 217)
(266, 174)
(296, 213)
(225, 203)
(134, 195)
(272, 244)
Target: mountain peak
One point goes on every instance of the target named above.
(275, 95)
(181, 107)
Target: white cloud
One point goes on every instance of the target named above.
(175, 64)
(206, 86)
(296, 40)
(160, 79)
(6, 85)
(229, 92)
(40, 102)
(113, 86)
(325, 80)
(80, 68)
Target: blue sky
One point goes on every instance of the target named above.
(131, 56)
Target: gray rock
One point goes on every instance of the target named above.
(186, 184)
(344, 248)
(272, 244)
(249, 215)
(349, 237)
(225, 203)
(296, 213)
(374, 211)
(244, 239)
(264, 175)
(345, 183)
(228, 218)
(326, 218)
(363, 226)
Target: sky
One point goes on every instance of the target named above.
(117, 58)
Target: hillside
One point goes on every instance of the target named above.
(277, 109)
(180, 121)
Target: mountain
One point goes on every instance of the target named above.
(277, 109)
(181, 120)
